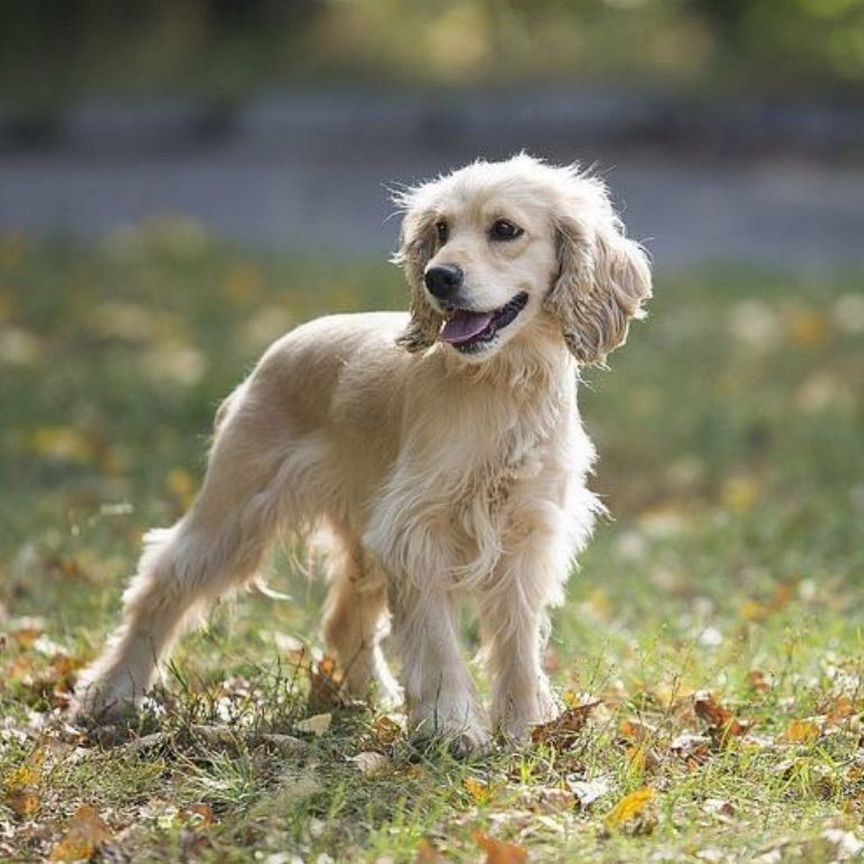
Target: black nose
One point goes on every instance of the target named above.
(443, 280)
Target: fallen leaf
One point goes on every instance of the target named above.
(838, 710)
(711, 854)
(634, 813)
(635, 730)
(287, 745)
(548, 799)
(721, 722)
(317, 724)
(85, 834)
(589, 791)
(427, 853)
(21, 785)
(691, 748)
(499, 851)
(758, 681)
(387, 731)
(480, 793)
(801, 732)
(563, 731)
(719, 807)
(325, 685)
(369, 763)
(198, 816)
(640, 759)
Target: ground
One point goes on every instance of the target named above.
(709, 652)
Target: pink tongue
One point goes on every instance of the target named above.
(464, 326)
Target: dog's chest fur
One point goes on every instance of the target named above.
(471, 492)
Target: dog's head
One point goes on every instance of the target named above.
(496, 250)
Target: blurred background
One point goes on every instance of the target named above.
(728, 129)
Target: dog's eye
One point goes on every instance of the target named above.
(443, 230)
(503, 229)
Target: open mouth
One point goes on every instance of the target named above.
(469, 331)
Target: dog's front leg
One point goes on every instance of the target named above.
(439, 693)
(515, 625)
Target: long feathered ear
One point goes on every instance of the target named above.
(603, 278)
(417, 245)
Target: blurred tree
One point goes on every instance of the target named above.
(51, 50)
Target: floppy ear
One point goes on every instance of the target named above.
(417, 244)
(603, 280)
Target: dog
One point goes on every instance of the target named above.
(441, 451)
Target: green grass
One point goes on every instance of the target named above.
(730, 431)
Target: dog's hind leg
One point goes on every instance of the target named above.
(218, 544)
(355, 621)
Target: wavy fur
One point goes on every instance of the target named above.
(436, 474)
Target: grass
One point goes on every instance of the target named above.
(723, 603)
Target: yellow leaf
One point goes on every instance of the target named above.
(20, 785)
(86, 833)
(480, 792)
(636, 761)
(498, 851)
(633, 810)
(802, 732)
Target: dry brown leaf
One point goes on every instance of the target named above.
(369, 763)
(499, 851)
(325, 682)
(317, 724)
(563, 730)
(838, 710)
(719, 807)
(198, 816)
(721, 722)
(386, 731)
(85, 834)
(634, 813)
(693, 749)
(548, 799)
(635, 730)
(758, 682)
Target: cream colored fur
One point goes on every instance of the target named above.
(438, 477)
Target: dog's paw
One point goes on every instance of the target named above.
(516, 718)
(458, 726)
(101, 701)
